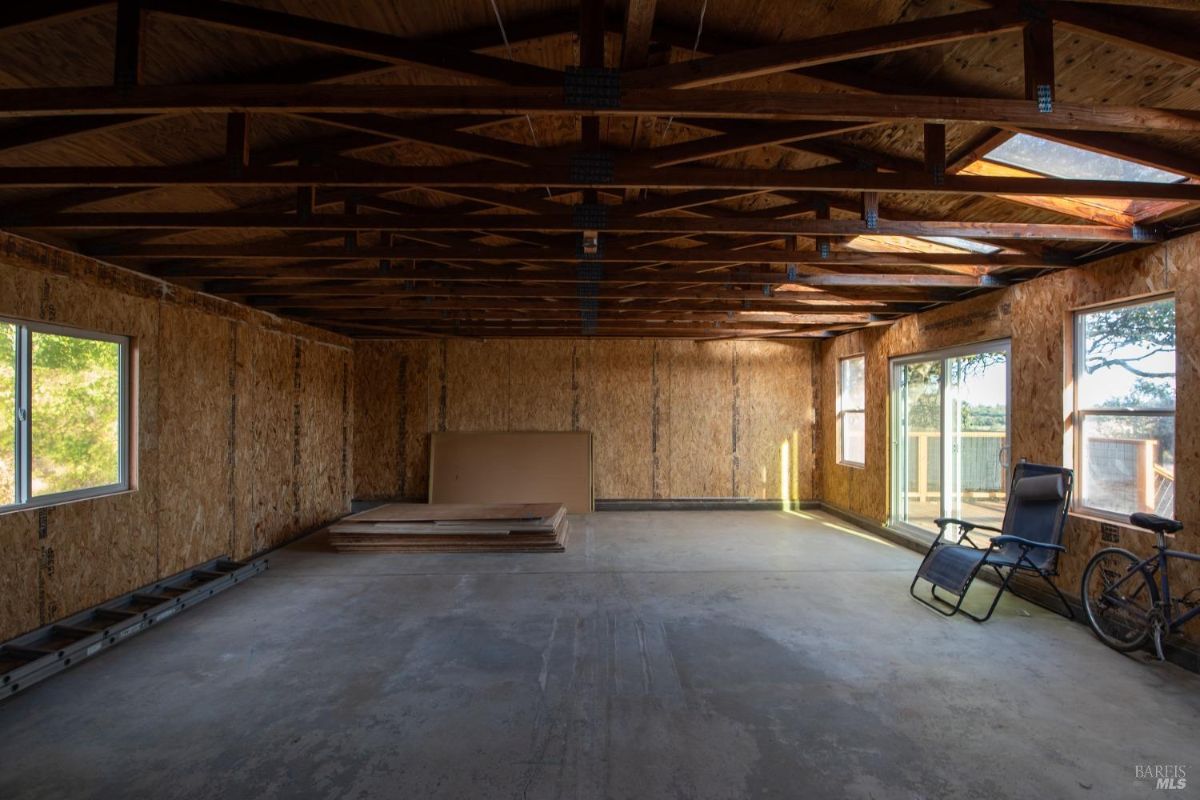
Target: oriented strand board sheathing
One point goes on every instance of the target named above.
(394, 405)
(622, 391)
(540, 394)
(93, 551)
(702, 414)
(615, 379)
(224, 369)
(477, 385)
(266, 391)
(379, 425)
(773, 389)
(320, 485)
(1037, 316)
(19, 579)
(195, 512)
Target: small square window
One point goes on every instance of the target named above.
(63, 414)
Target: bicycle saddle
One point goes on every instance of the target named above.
(1153, 522)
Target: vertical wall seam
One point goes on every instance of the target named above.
(574, 386)
(297, 354)
(345, 431)
(734, 427)
(232, 464)
(654, 418)
(442, 399)
(402, 427)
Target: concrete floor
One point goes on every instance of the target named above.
(665, 655)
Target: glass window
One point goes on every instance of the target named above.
(75, 431)
(1125, 408)
(852, 403)
(62, 414)
(1026, 156)
(1064, 161)
(8, 413)
(913, 244)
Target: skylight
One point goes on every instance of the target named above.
(1026, 156)
(964, 244)
(924, 244)
(1064, 161)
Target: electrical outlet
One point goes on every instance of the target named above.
(1109, 532)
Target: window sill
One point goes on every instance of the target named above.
(851, 465)
(54, 502)
(1096, 518)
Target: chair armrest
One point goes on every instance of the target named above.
(1006, 539)
(942, 522)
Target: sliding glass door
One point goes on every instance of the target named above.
(950, 436)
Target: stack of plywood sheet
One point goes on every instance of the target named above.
(454, 528)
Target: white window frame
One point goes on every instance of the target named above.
(842, 411)
(897, 455)
(23, 414)
(1079, 414)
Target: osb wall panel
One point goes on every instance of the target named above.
(476, 391)
(617, 392)
(540, 394)
(60, 559)
(195, 514)
(1036, 315)
(265, 466)
(669, 419)
(701, 398)
(767, 381)
(323, 470)
(215, 444)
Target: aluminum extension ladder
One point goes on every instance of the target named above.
(35, 656)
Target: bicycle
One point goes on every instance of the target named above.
(1121, 599)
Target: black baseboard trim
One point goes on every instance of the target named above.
(664, 504)
(701, 504)
(1034, 591)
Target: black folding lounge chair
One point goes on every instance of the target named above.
(1038, 499)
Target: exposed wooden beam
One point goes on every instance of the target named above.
(25, 16)
(433, 132)
(935, 150)
(127, 62)
(635, 37)
(628, 309)
(1127, 30)
(320, 70)
(611, 252)
(617, 221)
(425, 273)
(976, 148)
(356, 41)
(825, 49)
(1039, 61)
(747, 298)
(862, 80)
(507, 100)
(370, 174)
(237, 142)
(740, 138)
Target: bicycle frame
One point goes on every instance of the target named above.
(1160, 561)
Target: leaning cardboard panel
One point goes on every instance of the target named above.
(533, 467)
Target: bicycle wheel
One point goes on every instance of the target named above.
(1120, 615)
